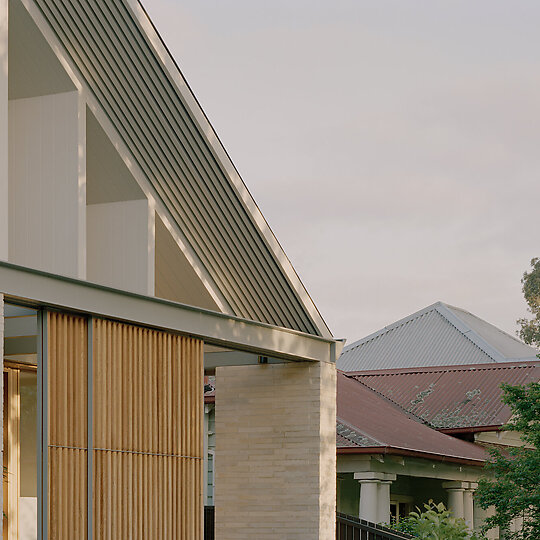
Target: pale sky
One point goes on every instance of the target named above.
(393, 146)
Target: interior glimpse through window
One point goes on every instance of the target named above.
(20, 423)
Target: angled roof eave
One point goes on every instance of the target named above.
(246, 263)
(222, 155)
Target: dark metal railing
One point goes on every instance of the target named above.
(352, 528)
(209, 528)
(347, 528)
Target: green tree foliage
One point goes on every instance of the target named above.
(514, 488)
(530, 329)
(434, 523)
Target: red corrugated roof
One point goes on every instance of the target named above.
(451, 397)
(370, 423)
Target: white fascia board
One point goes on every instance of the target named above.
(154, 200)
(59, 292)
(223, 157)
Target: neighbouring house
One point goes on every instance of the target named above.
(438, 335)
(132, 261)
(408, 435)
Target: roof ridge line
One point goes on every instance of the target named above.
(444, 311)
(392, 326)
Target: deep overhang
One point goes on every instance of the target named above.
(43, 289)
(146, 107)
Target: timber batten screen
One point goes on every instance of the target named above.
(148, 444)
(67, 368)
(138, 417)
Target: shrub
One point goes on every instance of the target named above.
(435, 523)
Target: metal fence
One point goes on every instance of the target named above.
(352, 528)
(347, 528)
(209, 527)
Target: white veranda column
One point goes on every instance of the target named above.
(384, 501)
(468, 504)
(456, 498)
(375, 496)
(369, 499)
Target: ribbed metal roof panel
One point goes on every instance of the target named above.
(452, 397)
(137, 92)
(438, 335)
(426, 340)
(366, 419)
(509, 346)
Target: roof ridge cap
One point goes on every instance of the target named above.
(451, 317)
(392, 326)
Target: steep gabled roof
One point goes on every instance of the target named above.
(367, 423)
(124, 66)
(437, 335)
(451, 397)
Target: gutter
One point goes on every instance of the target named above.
(475, 429)
(388, 450)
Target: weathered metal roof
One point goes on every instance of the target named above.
(122, 62)
(451, 397)
(366, 421)
(435, 336)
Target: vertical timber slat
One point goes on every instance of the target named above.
(147, 426)
(67, 387)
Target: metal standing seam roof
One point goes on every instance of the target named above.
(366, 422)
(117, 60)
(436, 335)
(451, 397)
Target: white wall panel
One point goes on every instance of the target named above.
(120, 245)
(3, 129)
(47, 191)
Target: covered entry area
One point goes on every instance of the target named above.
(118, 429)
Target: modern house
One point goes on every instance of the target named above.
(132, 260)
(406, 435)
(438, 335)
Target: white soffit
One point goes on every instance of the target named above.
(126, 67)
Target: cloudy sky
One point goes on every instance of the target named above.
(393, 146)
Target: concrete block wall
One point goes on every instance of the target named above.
(275, 452)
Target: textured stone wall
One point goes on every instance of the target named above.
(275, 452)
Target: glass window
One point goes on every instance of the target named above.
(20, 422)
